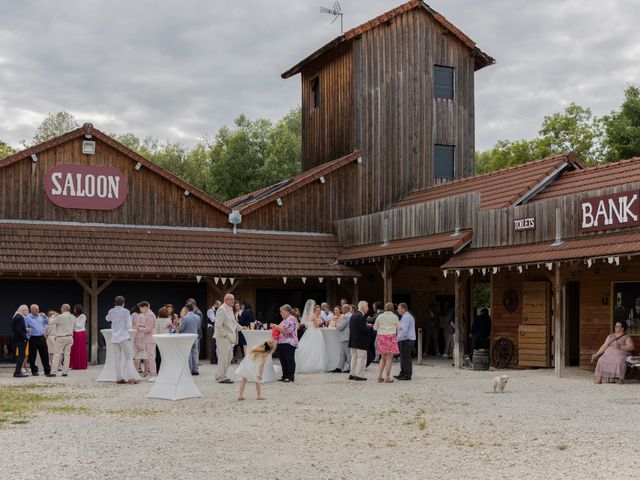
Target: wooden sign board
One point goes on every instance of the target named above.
(523, 224)
(86, 187)
(608, 212)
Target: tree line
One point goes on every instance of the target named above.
(251, 154)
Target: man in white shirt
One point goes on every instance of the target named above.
(120, 320)
(211, 315)
(326, 314)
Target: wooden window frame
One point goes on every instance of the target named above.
(453, 161)
(315, 98)
(453, 81)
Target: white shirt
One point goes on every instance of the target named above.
(120, 320)
(211, 315)
(81, 320)
(326, 316)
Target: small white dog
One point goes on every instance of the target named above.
(499, 383)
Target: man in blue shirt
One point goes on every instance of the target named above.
(406, 339)
(37, 322)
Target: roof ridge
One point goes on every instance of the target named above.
(610, 164)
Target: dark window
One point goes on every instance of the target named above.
(315, 93)
(443, 82)
(443, 161)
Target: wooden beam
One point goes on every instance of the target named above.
(559, 321)
(234, 286)
(215, 289)
(105, 284)
(461, 281)
(93, 291)
(82, 283)
(387, 280)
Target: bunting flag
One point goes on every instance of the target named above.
(355, 280)
(284, 279)
(216, 280)
(320, 279)
(224, 280)
(304, 279)
(339, 280)
(444, 272)
(231, 280)
(198, 278)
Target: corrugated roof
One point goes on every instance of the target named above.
(481, 59)
(252, 201)
(90, 131)
(594, 178)
(445, 241)
(498, 189)
(592, 246)
(64, 249)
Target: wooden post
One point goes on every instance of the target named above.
(419, 346)
(355, 298)
(93, 291)
(387, 281)
(458, 337)
(560, 324)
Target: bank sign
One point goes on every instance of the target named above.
(86, 187)
(619, 210)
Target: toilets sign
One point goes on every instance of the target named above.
(86, 187)
(619, 210)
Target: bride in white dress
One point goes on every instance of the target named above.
(311, 354)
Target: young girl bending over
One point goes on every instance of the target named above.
(252, 367)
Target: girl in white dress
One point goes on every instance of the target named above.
(311, 354)
(251, 367)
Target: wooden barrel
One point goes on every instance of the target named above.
(481, 359)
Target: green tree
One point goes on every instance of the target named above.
(5, 149)
(54, 125)
(508, 154)
(622, 128)
(283, 150)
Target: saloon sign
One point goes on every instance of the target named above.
(86, 187)
(620, 210)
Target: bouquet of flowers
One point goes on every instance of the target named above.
(275, 333)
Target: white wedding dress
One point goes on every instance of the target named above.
(311, 355)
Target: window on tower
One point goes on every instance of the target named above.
(443, 162)
(315, 93)
(443, 82)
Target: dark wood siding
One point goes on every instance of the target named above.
(328, 131)
(398, 120)
(152, 200)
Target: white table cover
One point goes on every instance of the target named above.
(174, 380)
(254, 338)
(108, 373)
(332, 347)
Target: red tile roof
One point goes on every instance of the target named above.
(498, 189)
(481, 59)
(89, 129)
(594, 178)
(433, 243)
(252, 201)
(67, 249)
(592, 246)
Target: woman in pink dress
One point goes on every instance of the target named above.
(78, 360)
(139, 347)
(612, 355)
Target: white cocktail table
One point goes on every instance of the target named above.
(332, 348)
(255, 338)
(108, 373)
(174, 380)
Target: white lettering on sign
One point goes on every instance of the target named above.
(78, 185)
(613, 211)
(521, 224)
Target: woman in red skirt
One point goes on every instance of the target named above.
(387, 326)
(78, 360)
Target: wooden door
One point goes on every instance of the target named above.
(534, 349)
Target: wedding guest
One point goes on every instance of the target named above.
(50, 336)
(120, 320)
(612, 355)
(343, 301)
(139, 349)
(251, 368)
(325, 313)
(373, 356)
(318, 318)
(431, 331)
(287, 343)
(246, 319)
(79, 347)
(37, 322)
(211, 315)
(202, 326)
(148, 328)
(237, 310)
(406, 340)
(481, 331)
(190, 323)
(342, 325)
(226, 335)
(171, 311)
(386, 326)
(65, 324)
(359, 336)
(448, 327)
(20, 339)
(196, 310)
(163, 325)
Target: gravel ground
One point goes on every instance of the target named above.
(443, 424)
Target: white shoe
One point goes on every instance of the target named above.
(151, 379)
(444, 355)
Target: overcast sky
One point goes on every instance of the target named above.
(178, 70)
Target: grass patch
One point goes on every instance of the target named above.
(422, 424)
(563, 446)
(19, 403)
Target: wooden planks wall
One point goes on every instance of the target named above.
(328, 132)
(397, 119)
(428, 218)
(152, 200)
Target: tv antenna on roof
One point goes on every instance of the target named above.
(336, 11)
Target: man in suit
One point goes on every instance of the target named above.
(343, 329)
(190, 323)
(65, 324)
(20, 338)
(406, 340)
(226, 334)
(37, 323)
(359, 337)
